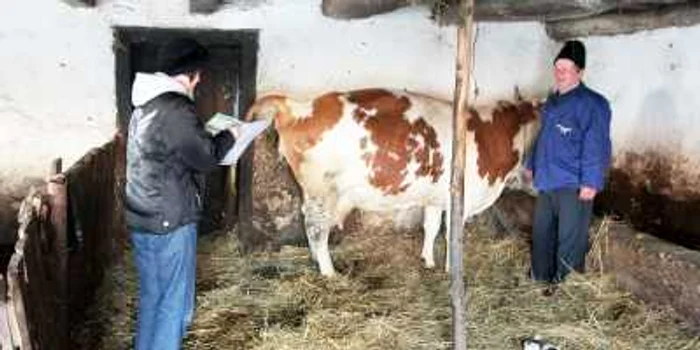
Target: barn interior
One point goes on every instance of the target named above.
(69, 280)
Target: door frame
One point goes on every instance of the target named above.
(245, 41)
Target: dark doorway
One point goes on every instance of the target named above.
(227, 86)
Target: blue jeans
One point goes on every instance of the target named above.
(166, 265)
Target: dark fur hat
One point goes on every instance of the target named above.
(575, 51)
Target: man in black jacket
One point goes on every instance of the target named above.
(168, 152)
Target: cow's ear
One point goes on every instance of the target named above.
(537, 103)
(517, 95)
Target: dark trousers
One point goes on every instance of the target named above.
(560, 234)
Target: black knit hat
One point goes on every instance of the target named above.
(182, 55)
(575, 51)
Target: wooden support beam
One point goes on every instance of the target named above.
(349, 9)
(552, 10)
(58, 202)
(624, 22)
(204, 6)
(459, 120)
(81, 3)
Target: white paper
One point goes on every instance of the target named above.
(248, 131)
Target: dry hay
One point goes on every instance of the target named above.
(384, 299)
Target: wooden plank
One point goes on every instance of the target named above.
(349, 9)
(244, 169)
(36, 286)
(81, 3)
(17, 315)
(56, 189)
(124, 78)
(624, 22)
(459, 119)
(447, 11)
(5, 332)
(204, 6)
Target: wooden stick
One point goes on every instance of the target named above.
(459, 117)
(58, 201)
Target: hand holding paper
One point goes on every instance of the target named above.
(244, 132)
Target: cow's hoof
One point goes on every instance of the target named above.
(427, 263)
(328, 274)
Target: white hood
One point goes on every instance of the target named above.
(147, 86)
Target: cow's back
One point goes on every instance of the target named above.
(384, 151)
(377, 149)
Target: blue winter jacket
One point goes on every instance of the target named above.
(573, 146)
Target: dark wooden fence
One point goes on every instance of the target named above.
(70, 231)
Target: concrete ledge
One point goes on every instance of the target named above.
(654, 270)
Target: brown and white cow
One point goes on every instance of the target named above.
(379, 150)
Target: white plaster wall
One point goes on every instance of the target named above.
(57, 95)
(653, 82)
(56, 85)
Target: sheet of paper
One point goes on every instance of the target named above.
(248, 133)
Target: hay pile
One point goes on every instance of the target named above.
(384, 299)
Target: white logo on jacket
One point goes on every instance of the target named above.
(563, 129)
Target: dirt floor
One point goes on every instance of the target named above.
(384, 299)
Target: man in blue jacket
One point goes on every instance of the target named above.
(168, 152)
(569, 162)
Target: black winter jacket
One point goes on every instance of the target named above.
(168, 152)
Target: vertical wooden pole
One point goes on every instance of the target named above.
(5, 330)
(58, 198)
(459, 119)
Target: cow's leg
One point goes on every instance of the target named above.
(318, 225)
(432, 217)
(448, 234)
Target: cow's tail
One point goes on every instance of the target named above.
(271, 106)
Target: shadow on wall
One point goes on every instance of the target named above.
(658, 125)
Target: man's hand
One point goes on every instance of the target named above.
(527, 175)
(587, 193)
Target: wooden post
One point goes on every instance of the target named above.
(58, 198)
(16, 269)
(459, 118)
(17, 316)
(5, 331)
